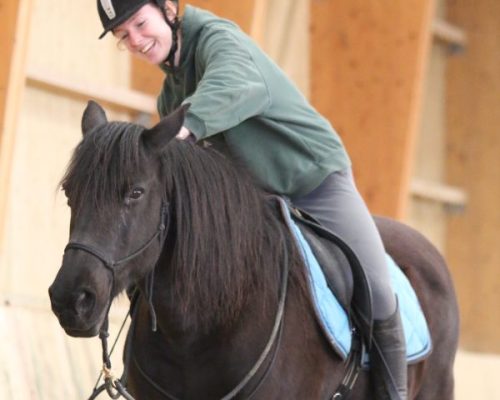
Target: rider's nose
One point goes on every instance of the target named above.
(134, 40)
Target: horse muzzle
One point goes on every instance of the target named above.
(76, 311)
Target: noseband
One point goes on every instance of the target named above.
(111, 264)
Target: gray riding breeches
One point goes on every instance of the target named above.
(337, 204)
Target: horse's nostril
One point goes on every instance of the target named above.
(84, 302)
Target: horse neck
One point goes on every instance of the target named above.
(183, 346)
(225, 241)
(202, 295)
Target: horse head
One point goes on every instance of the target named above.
(119, 214)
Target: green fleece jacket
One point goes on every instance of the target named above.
(238, 94)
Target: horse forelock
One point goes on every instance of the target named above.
(102, 166)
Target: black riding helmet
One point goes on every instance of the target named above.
(114, 12)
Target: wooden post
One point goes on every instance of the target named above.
(368, 59)
(14, 27)
(473, 132)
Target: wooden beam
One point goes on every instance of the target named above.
(473, 162)
(258, 22)
(438, 192)
(240, 11)
(368, 60)
(117, 98)
(449, 34)
(14, 28)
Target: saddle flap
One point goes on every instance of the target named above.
(361, 304)
(334, 264)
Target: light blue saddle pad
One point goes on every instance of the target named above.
(335, 322)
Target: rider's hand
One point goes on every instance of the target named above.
(183, 134)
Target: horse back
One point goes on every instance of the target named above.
(419, 259)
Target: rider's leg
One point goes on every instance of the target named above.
(337, 204)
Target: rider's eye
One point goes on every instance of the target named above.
(136, 193)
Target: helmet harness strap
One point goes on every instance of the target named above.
(174, 26)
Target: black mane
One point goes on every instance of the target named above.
(230, 242)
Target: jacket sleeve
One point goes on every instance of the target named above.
(231, 89)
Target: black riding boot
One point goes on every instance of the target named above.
(388, 355)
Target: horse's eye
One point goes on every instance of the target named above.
(136, 193)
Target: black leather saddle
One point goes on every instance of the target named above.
(343, 271)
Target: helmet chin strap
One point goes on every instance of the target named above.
(174, 26)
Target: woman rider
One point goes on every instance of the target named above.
(244, 104)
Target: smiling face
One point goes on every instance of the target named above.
(146, 34)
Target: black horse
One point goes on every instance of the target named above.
(209, 253)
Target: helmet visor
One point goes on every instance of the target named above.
(114, 12)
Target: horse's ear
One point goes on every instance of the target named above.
(164, 131)
(93, 116)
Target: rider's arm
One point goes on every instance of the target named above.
(232, 88)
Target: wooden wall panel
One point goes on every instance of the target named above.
(282, 41)
(240, 11)
(368, 58)
(473, 101)
(14, 27)
(8, 23)
(38, 361)
(429, 217)
(36, 223)
(33, 348)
